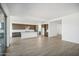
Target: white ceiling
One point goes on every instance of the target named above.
(42, 11)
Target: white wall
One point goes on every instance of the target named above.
(54, 28)
(59, 29)
(42, 31)
(8, 31)
(70, 28)
(10, 28)
(39, 28)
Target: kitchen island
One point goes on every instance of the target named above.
(28, 34)
(25, 33)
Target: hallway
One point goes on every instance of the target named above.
(42, 46)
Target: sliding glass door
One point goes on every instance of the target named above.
(2, 32)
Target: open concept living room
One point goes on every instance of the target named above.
(39, 29)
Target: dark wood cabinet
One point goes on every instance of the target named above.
(16, 34)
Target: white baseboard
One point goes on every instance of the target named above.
(77, 42)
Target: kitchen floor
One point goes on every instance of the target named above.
(42, 46)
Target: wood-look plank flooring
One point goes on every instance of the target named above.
(42, 46)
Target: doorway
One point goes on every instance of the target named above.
(45, 30)
(55, 29)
